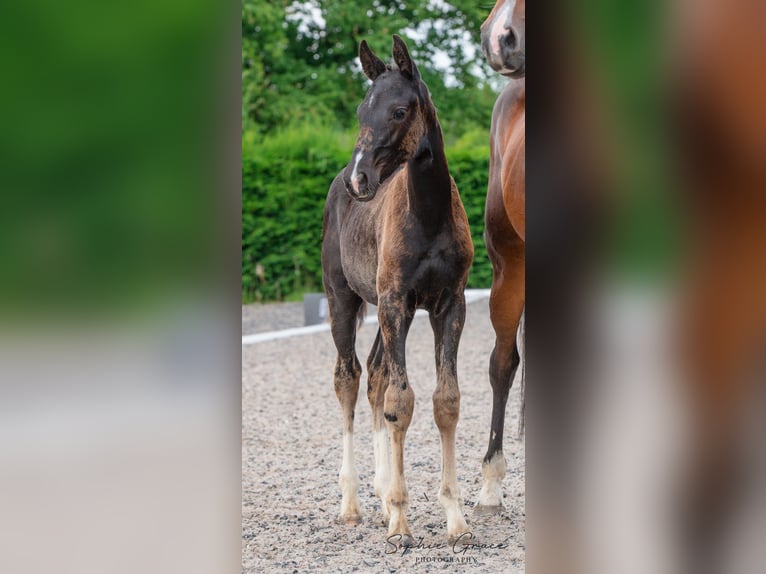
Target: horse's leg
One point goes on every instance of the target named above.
(447, 324)
(344, 306)
(506, 304)
(723, 331)
(376, 389)
(395, 318)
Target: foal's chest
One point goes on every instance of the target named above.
(396, 253)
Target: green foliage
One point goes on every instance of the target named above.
(106, 153)
(285, 178)
(645, 234)
(469, 165)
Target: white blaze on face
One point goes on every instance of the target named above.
(354, 182)
(497, 30)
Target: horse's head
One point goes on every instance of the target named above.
(502, 38)
(393, 118)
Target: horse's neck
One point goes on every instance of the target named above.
(429, 187)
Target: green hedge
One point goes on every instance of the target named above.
(285, 178)
(469, 165)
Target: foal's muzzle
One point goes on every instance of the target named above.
(360, 188)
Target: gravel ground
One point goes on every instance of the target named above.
(261, 317)
(291, 452)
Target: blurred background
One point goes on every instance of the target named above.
(119, 266)
(645, 288)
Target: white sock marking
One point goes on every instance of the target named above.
(491, 490)
(382, 461)
(348, 479)
(347, 469)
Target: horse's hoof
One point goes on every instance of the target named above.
(385, 513)
(406, 541)
(461, 538)
(401, 540)
(485, 510)
(350, 519)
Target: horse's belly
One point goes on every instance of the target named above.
(513, 177)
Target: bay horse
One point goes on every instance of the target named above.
(396, 235)
(503, 43)
(722, 129)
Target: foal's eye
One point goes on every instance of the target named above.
(400, 113)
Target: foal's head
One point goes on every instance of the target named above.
(502, 38)
(393, 118)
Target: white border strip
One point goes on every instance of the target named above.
(471, 296)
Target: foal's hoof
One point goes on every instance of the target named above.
(401, 540)
(486, 510)
(350, 519)
(461, 539)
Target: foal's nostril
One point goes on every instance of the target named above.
(362, 180)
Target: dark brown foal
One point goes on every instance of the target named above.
(396, 235)
(503, 43)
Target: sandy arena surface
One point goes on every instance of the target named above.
(291, 453)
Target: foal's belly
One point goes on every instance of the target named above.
(359, 259)
(361, 281)
(421, 273)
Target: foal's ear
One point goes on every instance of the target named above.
(403, 60)
(371, 64)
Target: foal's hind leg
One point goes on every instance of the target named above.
(344, 306)
(376, 388)
(505, 307)
(448, 326)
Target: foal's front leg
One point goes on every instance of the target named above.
(343, 313)
(399, 401)
(448, 327)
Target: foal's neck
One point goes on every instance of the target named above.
(429, 187)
